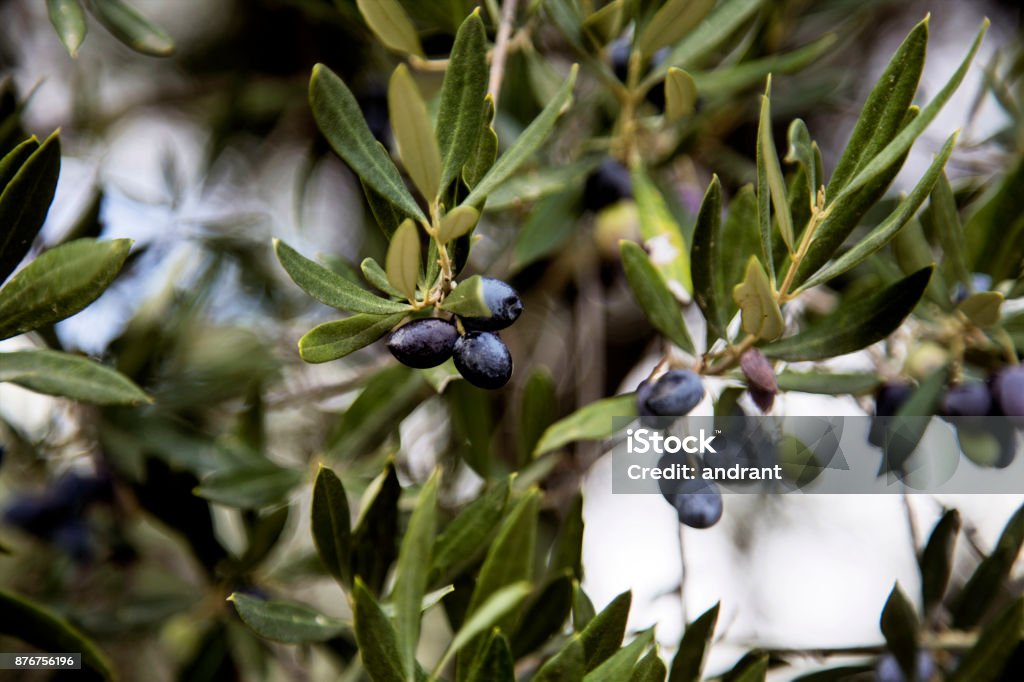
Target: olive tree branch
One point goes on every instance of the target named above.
(501, 44)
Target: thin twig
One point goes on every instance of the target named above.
(508, 13)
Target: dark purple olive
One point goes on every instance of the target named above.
(890, 396)
(504, 303)
(1008, 391)
(698, 503)
(608, 184)
(970, 399)
(423, 343)
(482, 358)
(674, 394)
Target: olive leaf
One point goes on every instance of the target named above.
(526, 144)
(707, 257)
(483, 157)
(29, 179)
(340, 119)
(985, 661)
(769, 170)
(650, 668)
(496, 664)
(804, 152)
(760, 312)
(943, 219)
(253, 485)
(330, 525)
(900, 627)
(856, 324)
(658, 303)
(412, 571)
(133, 29)
(987, 581)
(716, 28)
(413, 133)
(70, 376)
(724, 81)
(458, 222)
(492, 611)
(605, 23)
(671, 22)
(593, 421)
(329, 287)
(982, 308)
(68, 19)
(568, 665)
(59, 283)
(680, 94)
(688, 664)
(333, 340)
(620, 664)
(936, 561)
(603, 635)
(465, 538)
(545, 616)
(376, 638)
(375, 276)
(286, 622)
(537, 411)
(389, 22)
(374, 545)
(828, 383)
(402, 263)
(467, 299)
(662, 235)
(463, 115)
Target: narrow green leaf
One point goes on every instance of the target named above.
(387, 216)
(944, 220)
(70, 376)
(986, 660)
(331, 525)
(568, 665)
(340, 119)
(754, 296)
(856, 324)
(582, 608)
(549, 224)
(509, 561)
(654, 297)
(375, 275)
(888, 228)
(936, 560)
(757, 671)
(458, 222)
(483, 158)
(30, 182)
(688, 664)
(46, 631)
(650, 668)
(827, 383)
(255, 486)
(545, 616)
(567, 550)
(707, 257)
(982, 308)
(412, 572)
(467, 299)
(68, 19)
(378, 643)
(603, 25)
(287, 622)
(716, 28)
(537, 411)
(764, 211)
(466, 538)
(726, 81)
(525, 145)
(496, 664)
(883, 112)
(329, 287)
(619, 665)
(333, 340)
(591, 422)
(900, 627)
(133, 29)
(769, 158)
(988, 578)
(59, 283)
(386, 399)
(802, 153)
(374, 545)
(389, 22)
(402, 263)
(903, 140)
(413, 133)
(680, 94)
(463, 115)
(603, 635)
(662, 235)
(672, 21)
(485, 616)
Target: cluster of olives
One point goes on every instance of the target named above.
(480, 355)
(698, 503)
(1001, 396)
